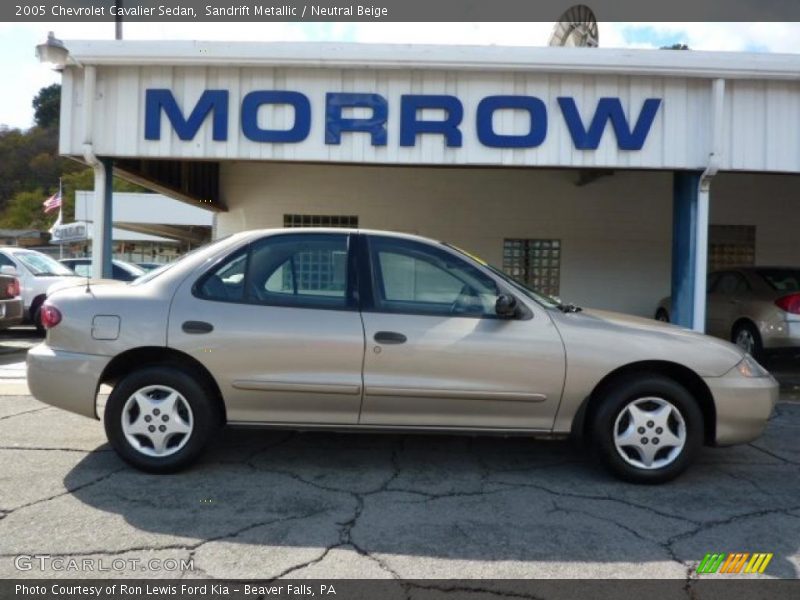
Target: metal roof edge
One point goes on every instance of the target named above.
(616, 61)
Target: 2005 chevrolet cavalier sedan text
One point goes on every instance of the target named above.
(378, 331)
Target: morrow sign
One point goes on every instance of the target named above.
(586, 130)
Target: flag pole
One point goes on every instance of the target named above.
(60, 206)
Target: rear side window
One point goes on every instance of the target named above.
(304, 271)
(782, 280)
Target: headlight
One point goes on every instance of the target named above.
(749, 367)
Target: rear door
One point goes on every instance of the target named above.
(437, 355)
(277, 325)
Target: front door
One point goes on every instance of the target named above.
(437, 355)
(725, 303)
(283, 337)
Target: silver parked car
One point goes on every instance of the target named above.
(757, 308)
(36, 273)
(374, 331)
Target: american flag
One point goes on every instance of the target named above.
(53, 202)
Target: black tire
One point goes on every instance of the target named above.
(205, 417)
(746, 328)
(36, 316)
(616, 399)
(662, 315)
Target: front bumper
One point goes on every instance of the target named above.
(743, 406)
(67, 380)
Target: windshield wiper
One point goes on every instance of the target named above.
(568, 308)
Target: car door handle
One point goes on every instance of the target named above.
(390, 337)
(197, 327)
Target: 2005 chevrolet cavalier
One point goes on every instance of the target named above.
(378, 331)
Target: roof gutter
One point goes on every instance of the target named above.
(611, 61)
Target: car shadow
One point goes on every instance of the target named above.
(457, 497)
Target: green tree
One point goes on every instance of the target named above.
(24, 211)
(47, 106)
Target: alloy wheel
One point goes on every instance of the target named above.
(157, 421)
(649, 433)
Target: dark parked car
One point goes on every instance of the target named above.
(120, 270)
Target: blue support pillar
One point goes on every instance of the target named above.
(685, 188)
(108, 218)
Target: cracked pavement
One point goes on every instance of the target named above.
(271, 504)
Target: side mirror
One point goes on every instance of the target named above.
(8, 270)
(506, 306)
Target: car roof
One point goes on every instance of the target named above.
(340, 230)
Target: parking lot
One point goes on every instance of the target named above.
(271, 504)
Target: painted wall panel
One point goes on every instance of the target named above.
(761, 122)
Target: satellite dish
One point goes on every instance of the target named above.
(577, 27)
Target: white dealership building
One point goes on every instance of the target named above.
(599, 175)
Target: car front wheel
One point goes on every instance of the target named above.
(159, 419)
(648, 429)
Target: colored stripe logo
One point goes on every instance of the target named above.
(734, 563)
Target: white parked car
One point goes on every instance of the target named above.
(36, 273)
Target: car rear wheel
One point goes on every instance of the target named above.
(159, 419)
(746, 336)
(648, 429)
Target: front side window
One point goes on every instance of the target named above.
(410, 277)
(307, 271)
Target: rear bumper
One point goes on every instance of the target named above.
(781, 335)
(67, 380)
(743, 406)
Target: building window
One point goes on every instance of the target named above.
(537, 263)
(348, 221)
(731, 246)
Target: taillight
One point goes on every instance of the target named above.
(790, 303)
(50, 316)
(12, 289)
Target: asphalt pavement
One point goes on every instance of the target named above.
(319, 505)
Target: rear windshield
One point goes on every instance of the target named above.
(782, 280)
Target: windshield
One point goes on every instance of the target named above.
(782, 280)
(518, 285)
(42, 265)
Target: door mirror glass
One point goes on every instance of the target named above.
(506, 306)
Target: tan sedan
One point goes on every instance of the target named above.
(757, 308)
(374, 331)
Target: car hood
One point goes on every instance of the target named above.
(617, 339)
